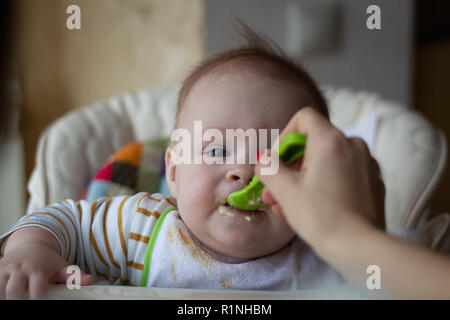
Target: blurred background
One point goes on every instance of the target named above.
(47, 70)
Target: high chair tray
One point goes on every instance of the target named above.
(108, 292)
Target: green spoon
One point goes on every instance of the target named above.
(249, 198)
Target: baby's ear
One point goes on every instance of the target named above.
(170, 171)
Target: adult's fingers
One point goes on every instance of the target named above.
(380, 192)
(270, 201)
(306, 121)
(376, 181)
(376, 168)
(267, 197)
(276, 208)
(281, 183)
(361, 145)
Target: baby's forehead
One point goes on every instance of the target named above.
(237, 84)
(232, 101)
(242, 72)
(247, 68)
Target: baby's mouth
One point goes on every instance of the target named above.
(227, 210)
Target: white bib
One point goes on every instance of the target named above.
(178, 261)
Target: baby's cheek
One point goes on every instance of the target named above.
(196, 190)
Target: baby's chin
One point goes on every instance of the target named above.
(239, 246)
(239, 223)
(244, 235)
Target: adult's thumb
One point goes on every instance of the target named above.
(280, 183)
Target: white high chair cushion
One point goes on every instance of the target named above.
(411, 153)
(74, 148)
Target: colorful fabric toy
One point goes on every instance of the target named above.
(139, 166)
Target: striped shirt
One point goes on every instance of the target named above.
(107, 238)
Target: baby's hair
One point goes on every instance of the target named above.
(258, 52)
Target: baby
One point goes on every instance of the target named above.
(191, 239)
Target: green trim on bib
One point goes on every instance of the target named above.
(151, 245)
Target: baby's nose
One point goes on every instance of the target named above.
(244, 174)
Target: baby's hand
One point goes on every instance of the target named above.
(27, 269)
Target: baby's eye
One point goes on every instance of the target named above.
(218, 152)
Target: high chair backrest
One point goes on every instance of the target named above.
(411, 153)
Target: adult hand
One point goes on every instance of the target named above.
(335, 199)
(337, 185)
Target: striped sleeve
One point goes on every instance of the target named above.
(100, 236)
(59, 223)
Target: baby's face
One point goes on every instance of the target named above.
(230, 101)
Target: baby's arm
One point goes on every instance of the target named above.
(31, 261)
(38, 248)
(93, 235)
(42, 244)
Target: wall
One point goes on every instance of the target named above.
(377, 60)
(123, 45)
(432, 93)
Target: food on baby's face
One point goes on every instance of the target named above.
(224, 210)
(228, 211)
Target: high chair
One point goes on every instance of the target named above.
(410, 151)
